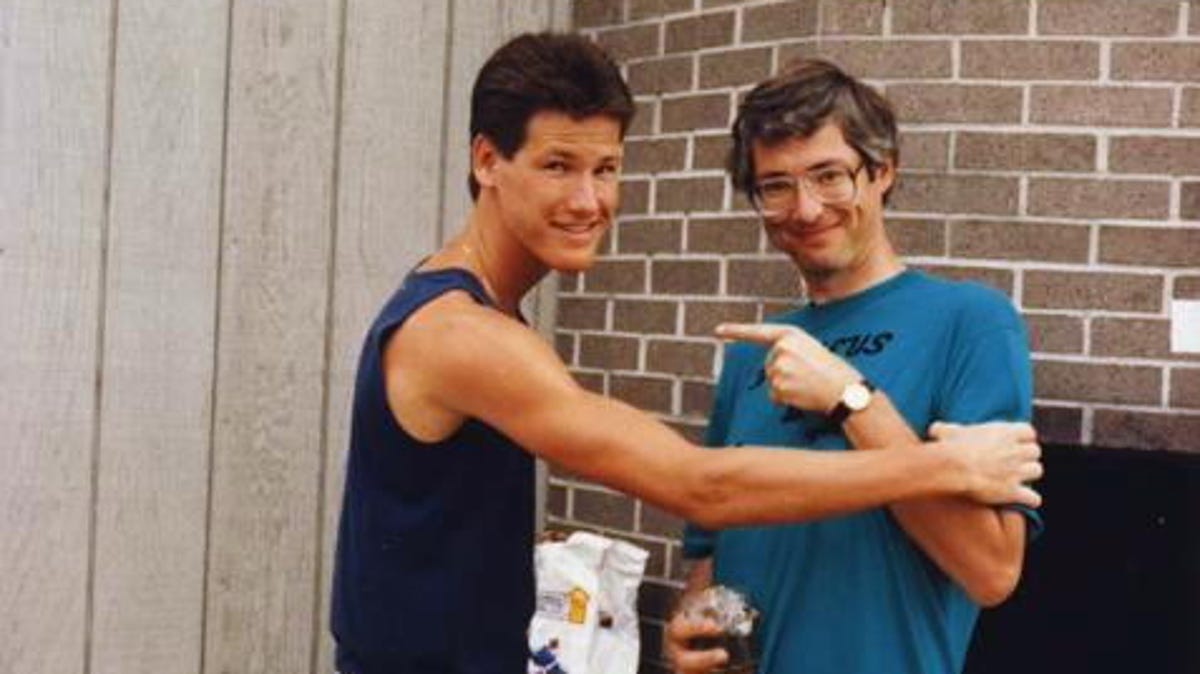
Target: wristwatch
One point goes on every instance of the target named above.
(855, 397)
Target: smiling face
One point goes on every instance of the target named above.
(840, 244)
(557, 195)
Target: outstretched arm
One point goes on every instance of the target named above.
(518, 385)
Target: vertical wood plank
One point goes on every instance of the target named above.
(479, 28)
(54, 93)
(54, 97)
(168, 114)
(389, 176)
(271, 337)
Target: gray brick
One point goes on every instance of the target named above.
(1025, 60)
(1178, 62)
(699, 32)
(675, 357)
(956, 103)
(1107, 17)
(648, 317)
(631, 42)
(650, 236)
(688, 194)
(607, 352)
(1154, 154)
(656, 76)
(1189, 200)
(1084, 198)
(917, 236)
(780, 20)
(924, 149)
(702, 317)
(723, 234)
(961, 17)
(1134, 338)
(1169, 431)
(1055, 334)
(1092, 290)
(579, 313)
(763, 278)
(645, 9)
(942, 193)
(878, 60)
(592, 13)
(1025, 151)
(655, 156)
(1150, 246)
(684, 277)
(1101, 106)
(1189, 113)
(1185, 388)
(1099, 383)
(710, 151)
(1020, 241)
(697, 399)
(734, 68)
(691, 113)
(616, 276)
(851, 17)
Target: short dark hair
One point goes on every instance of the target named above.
(535, 72)
(798, 102)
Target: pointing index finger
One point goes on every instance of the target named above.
(757, 333)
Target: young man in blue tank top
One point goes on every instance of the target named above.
(894, 589)
(455, 394)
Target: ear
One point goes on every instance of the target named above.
(885, 175)
(484, 157)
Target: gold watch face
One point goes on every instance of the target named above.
(856, 397)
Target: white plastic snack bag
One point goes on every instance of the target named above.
(585, 620)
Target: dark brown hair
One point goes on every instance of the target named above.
(544, 71)
(801, 100)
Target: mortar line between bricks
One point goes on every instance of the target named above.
(1092, 359)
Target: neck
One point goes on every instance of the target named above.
(824, 287)
(505, 269)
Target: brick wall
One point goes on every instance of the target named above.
(1050, 148)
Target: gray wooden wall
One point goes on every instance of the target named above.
(202, 202)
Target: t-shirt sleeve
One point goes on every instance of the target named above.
(989, 375)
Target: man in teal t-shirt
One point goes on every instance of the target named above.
(894, 590)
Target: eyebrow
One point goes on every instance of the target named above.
(563, 153)
(826, 163)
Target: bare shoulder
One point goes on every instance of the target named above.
(455, 358)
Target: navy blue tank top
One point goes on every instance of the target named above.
(434, 566)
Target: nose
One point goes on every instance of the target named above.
(585, 195)
(807, 207)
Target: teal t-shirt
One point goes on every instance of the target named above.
(852, 594)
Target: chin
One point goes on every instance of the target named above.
(571, 261)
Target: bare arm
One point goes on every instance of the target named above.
(977, 545)
(467, 360)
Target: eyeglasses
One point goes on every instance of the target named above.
(775, 197)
